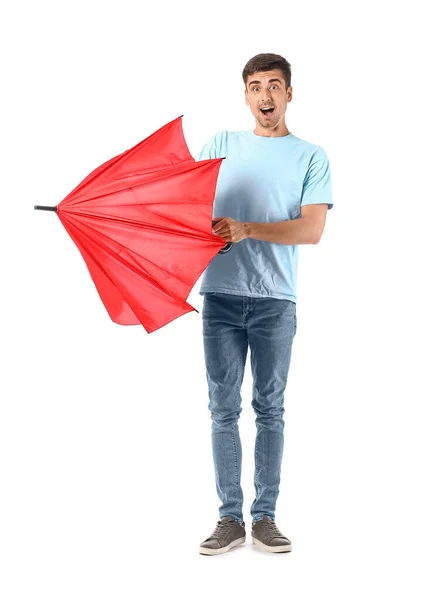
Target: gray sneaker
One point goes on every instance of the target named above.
(267, 536)
(227, 534)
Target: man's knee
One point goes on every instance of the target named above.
(268, 413)
(224, 419)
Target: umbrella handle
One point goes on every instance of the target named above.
(227, 246)
(46, 208)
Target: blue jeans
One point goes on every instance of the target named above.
(268, 326)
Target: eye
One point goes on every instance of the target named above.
(273, 85)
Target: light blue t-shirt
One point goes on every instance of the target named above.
(263, 179)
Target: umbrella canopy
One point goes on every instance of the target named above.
(142, 222)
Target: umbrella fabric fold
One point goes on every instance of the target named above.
(142, 222)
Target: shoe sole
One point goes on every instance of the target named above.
(212, 551)
(286, 548)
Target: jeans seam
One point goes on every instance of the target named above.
(238, 469)
(235, 452)
(233, 431)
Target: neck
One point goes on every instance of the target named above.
(279, 130)
(268, 132)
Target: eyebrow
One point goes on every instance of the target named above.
(275, 79)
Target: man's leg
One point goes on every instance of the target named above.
(225, 348)
(271, 330)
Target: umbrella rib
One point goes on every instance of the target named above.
(119, 257)
(127, 220)
(109, 164)
(160, 175)
(128, 175)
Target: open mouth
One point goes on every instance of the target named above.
(267, 111)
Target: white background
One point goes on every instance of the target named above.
(107, 481)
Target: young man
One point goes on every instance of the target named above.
(273, 193)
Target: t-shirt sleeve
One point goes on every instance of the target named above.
(317, 188)
(209, 150)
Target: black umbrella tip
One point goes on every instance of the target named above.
(54, 208)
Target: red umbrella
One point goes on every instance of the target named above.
(142, 222)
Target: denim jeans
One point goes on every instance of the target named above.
(231, 323)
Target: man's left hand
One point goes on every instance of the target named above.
(230, 229)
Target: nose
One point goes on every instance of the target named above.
(265, 97)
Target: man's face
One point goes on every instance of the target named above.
(267, 88)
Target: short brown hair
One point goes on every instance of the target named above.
(267, 62)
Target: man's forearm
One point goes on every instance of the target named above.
(290, 233)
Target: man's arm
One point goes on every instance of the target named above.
(307, 229)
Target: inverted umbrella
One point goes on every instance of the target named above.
(142, 222)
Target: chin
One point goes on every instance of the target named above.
(266, 122)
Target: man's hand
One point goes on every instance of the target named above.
(230, 229)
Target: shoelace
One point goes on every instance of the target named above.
(272, 529)
(221, 528)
